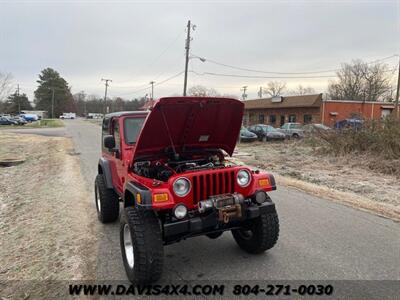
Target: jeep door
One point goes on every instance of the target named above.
(118, 177)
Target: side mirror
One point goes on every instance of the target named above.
(109, 142)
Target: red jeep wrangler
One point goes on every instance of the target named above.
(168, 167)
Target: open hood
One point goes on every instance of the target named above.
(190, 122)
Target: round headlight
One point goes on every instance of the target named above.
(181, 187)
(180, 211)
(243, 178)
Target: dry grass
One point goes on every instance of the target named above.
(347, 178)
(377, 144)
(351, 199)
(46, 229)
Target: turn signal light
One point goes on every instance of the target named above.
(160, 197)
(138, 198)
(264, 182)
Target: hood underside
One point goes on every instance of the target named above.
(179, 123)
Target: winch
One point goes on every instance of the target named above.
(229, 206)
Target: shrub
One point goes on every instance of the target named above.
(376, 145)
(381, 138)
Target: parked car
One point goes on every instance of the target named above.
(7, 121)
(173, 186)
(30, 117)
(292, 130)
(20, 120)
(68, 116)
(266, 132)
(349, 123)
(312, 129)
(247, 136)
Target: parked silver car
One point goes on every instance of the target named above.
(315, 129)
(292, 130)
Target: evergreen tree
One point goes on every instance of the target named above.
(15, 103)
(49, 81)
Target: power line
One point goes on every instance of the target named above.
(257, 76)
(268, 77)
(170, 78)
(156, 84)
(283, 73)
(166, 49)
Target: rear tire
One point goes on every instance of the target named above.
(141, 245)
(259, 235)
(107, 201)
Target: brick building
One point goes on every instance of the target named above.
(337, 110)
(311, 109)
(279, 110)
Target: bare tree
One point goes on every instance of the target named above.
(275, 88)
(361, 81)
(202, 91)
(5, 85)
(302, 90)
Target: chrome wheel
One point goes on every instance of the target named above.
(128, 245)
(97, 195)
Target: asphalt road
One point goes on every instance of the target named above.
(319, 239)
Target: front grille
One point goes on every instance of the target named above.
(215, 183)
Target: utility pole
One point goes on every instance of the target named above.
(260, 92)
(187, 47)
(396, 105)
(152, 89)
(82, 93)
(19, 100)
(244, 89)
(52, 102)
(105, 94)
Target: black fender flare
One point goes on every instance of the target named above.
(136, 188)
(105, 170)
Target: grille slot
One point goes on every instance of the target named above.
(212, 184)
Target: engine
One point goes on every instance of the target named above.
(163, 169)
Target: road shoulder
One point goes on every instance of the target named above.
(46, 219)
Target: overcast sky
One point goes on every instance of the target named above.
(134, 42)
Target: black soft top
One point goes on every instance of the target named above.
(125, 113)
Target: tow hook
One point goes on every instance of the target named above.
(229, 206)
(225, 214)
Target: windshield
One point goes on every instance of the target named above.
(132, 127)
(268, 129)
(295, 126)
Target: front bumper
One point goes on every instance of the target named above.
(207, 223)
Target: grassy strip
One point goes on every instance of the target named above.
(44, 123)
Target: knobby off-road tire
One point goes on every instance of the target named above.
(141, 245)
(107, 202)
(261, 234)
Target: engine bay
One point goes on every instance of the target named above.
(162, 169)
